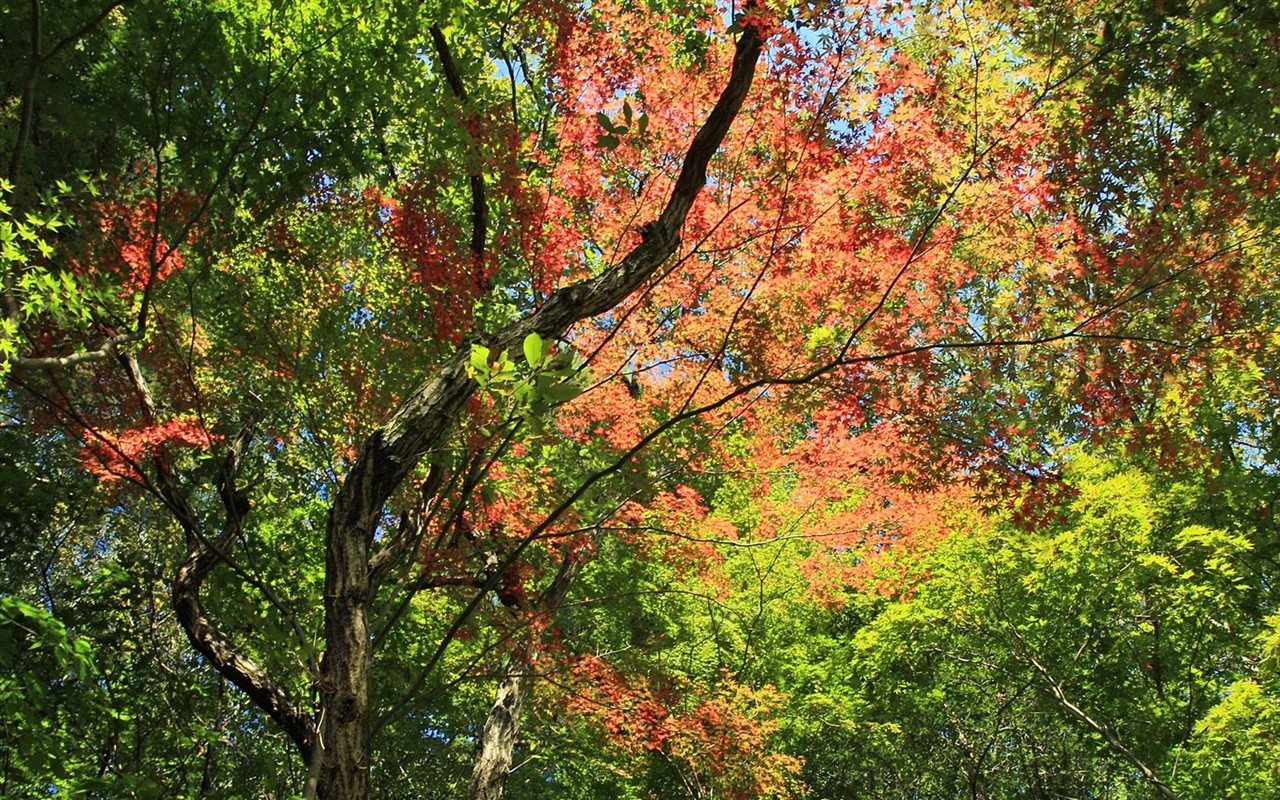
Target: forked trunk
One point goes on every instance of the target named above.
(421, 423)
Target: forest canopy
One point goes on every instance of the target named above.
(639, 399)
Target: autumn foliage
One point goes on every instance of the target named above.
(517, 346)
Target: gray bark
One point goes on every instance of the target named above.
(502, 727)
(498, 739)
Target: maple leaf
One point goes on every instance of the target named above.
(121, 457)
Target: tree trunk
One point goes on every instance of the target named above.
(498, 740)
(422, 421)
(344, 685)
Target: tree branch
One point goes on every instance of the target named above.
(107, 349)
(203, 555)
(216, 646)
(426, 416)
(411, 528)
(38, 60)
(1101, 728)
(479, 205)
(26, 115)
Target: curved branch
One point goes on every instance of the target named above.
(213, 644)
(430, 410)
(202, 556)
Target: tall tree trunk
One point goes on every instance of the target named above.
(344, 686)
(498, 740)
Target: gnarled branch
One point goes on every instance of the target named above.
(203, 554)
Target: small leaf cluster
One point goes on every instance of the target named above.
(40, 289)
(550, 380)
(614, 131)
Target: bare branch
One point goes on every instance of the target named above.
(108, 349)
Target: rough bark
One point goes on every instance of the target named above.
(345, 672)
(428, 413)
(498, 739)
(425, 419)
(502, 726)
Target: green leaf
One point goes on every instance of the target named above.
(821, 336)
(535, 349)
(562, 392)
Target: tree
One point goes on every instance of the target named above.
(103, 694)
(1078, 657)
(429, 325)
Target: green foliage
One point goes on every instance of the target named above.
(614, 132)
(101, 695)
(40, 290)
(1235, 751)
(549, 380)
(42, 670)
(1139, 619)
